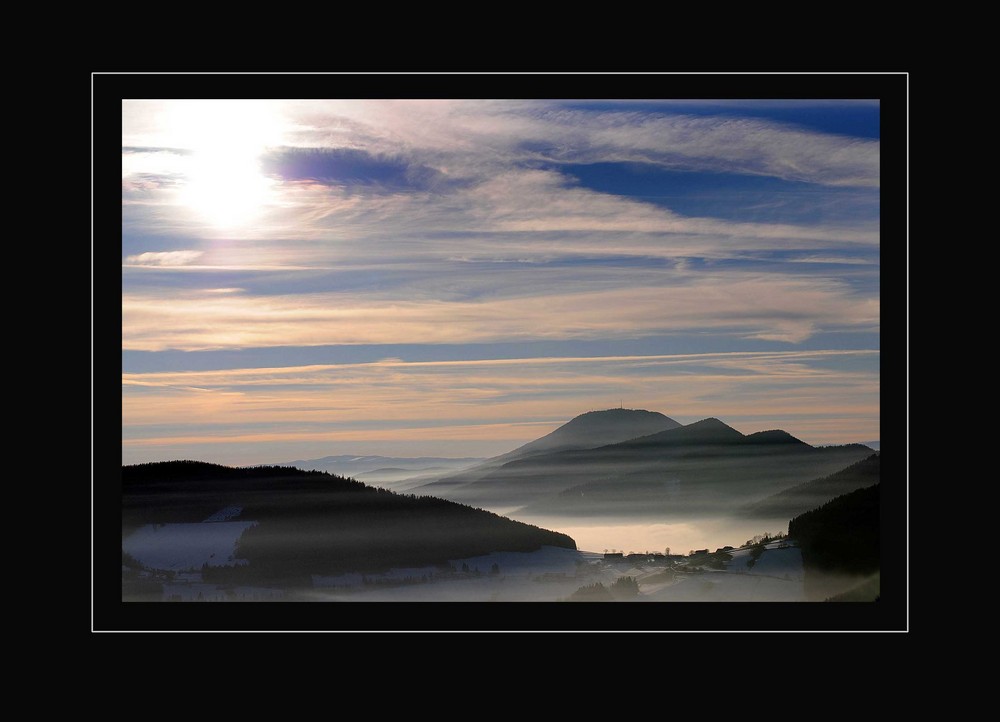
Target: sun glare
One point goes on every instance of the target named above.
(225, 185)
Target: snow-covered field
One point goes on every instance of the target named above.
(179, 547)
(776, 576)
(726, 587)
(779, 560)
(201, 592)
(549, 574)
(552, 574)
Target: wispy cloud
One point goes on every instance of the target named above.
(760, 361)
(130, 149)
(468, 432)
(785, 308)
(835, 260)
(497, 133)
(542, 201)
(163, 258)
(480, 400)
(480, 222)
(389, 178)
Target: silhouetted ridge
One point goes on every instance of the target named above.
(359, 466)
(803, 497)
(703, 467)
(597, 428)
(706, 431)
(187, 470)
(315, 523)
(590, 430)
(775, 436)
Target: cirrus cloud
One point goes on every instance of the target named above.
(163, 258)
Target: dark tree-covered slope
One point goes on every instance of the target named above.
(842, 535)
(316, 523)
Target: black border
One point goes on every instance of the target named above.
(891, 613)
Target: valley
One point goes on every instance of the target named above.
(565, 518)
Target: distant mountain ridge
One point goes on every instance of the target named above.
(384, 469)
(709, 431)
(596, 428)
(586, 431)
(705, 466)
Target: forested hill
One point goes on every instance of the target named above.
(843, 534)
(317, 523)
(173, 472)
(811, 494)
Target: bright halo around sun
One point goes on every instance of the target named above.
(225, 186)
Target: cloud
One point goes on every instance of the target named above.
(538, 202)
(128, 149)
(530, 215)
(163, 258)
(735, 145)
(140, 185)
(762, 363)
(476, 137)
(513, 399)
(744, 305)
(834, 260)
(462, 223)
(486, 156)
(466, 432)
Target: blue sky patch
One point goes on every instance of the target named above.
(859, 119)
(347, 167)
(731, 196)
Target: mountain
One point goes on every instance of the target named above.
(586, 431)
(596, 428)
(811, 494)
(699, 468)
(384, 469)
(308, 522)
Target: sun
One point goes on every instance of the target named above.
(224, 184)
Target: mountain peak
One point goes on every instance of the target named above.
(706, 431)
(616, 421)
(712, 424)
(709, 422)
(773, 436)
(598, 428)
(619, 413)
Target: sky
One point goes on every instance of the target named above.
(456, 278)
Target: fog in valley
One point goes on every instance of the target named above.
(697, 512)
(637, 535)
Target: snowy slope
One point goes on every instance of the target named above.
(177, 547)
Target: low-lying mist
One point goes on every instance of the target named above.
(654, 534)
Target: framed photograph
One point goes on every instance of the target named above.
(506, 350)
